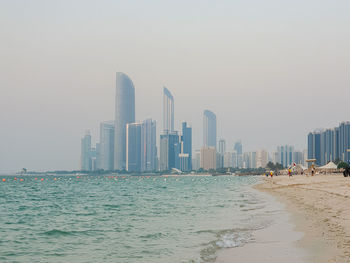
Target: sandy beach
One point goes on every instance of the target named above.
(320, 208)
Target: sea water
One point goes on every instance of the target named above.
(127, 219)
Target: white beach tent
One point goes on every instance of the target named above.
(329, 166)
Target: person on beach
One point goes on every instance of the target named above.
(289, 172)
(271, 174)
(312, 171)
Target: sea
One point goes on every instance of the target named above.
(128, 219)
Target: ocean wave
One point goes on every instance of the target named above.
(61, 233)
(56, 232)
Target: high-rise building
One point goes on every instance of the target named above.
(208, 158)
(85, 163)
(249, 160)
(238, 147)
(196, 161)
(230, 159)
(209, 129)
(186, 148)
(133, 147)
(169, 141)
(330, 144)
(285, 155)
(106, 151)
(148, 146)
(261, 159)
(314, 146)
(221, 153)
(168, 111)
(124, 114)
(169, 151)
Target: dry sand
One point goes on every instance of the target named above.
(320, 208)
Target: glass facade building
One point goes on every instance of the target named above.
(124, 114)
(168, 111)
(106, 147)
(209, 129)
(330, 144)
(133, 147)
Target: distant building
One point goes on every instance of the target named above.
(186, 148)
(314, 146)
(196, 160)
(238, 148)
(184, 162)
(249, 160)
(168, 111)
(285, 155)
(106, 152)
(261, 159)
(208, 158)
(86, 164)
(230, 159)
(133, 147)
(221, 153)
(169, 151)
(148, 146)
(209, 129)
(124, 114)
(330, 144)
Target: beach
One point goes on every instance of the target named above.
(320, 209)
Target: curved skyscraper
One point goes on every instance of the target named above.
(168, 111)
(209, 129)
(124, 114)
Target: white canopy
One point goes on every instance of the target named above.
(329, 165)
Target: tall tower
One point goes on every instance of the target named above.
(238, 147)
(106, 145)
(209, 129)
(168, 111)
(148, 146)
(124, 114)
(86, 164)
(133, 147)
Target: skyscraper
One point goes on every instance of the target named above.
(85, 162)
(238, 147)
(169, 140)
(261, 158)
(124, 114)
(186, 147)
(169, 151)
(330, 144)
(168, 111)
(106, 151)
(133, 147)
(285, 155)
(148, 146)
(209, 129)
(222, 150)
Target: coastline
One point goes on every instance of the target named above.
(274, 243)
(320, 208)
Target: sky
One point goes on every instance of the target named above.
(270, 70)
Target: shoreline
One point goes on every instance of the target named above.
(320, 208)
(274, 243)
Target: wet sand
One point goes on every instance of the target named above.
(319, 207)
(273, 244)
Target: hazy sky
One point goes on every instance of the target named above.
(271, 70)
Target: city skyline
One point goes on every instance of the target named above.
(175, 146)
(265, 69)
